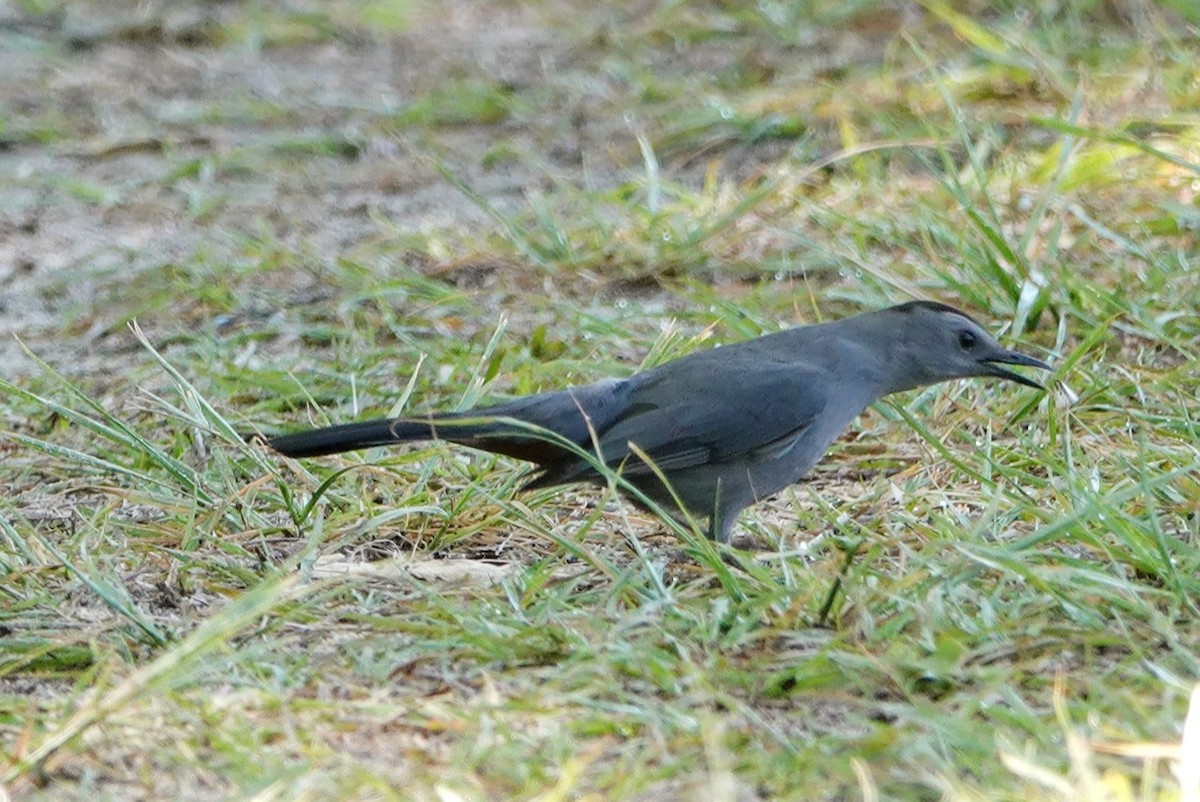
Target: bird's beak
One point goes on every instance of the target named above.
(1013, 358)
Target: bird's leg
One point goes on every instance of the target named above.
(719, 522)
(836, 587)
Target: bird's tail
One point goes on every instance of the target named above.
(533, 428)
(351, 436)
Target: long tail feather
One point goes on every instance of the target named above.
(572, 415)
(349, 437)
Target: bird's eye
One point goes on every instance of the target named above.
(966, 340)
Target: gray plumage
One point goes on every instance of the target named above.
(727, 427)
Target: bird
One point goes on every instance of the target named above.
(713, 432)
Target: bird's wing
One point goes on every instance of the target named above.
(706, 414)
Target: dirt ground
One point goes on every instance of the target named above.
(140, 135)
(128, 107)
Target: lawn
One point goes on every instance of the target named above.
(223, 218)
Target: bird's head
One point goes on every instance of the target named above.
(939, 343)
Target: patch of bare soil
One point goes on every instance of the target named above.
(142, 135)
(133, 148)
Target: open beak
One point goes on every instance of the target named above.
(1013, 358)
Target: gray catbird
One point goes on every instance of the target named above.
(725, 427)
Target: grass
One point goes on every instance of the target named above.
(983, 593)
